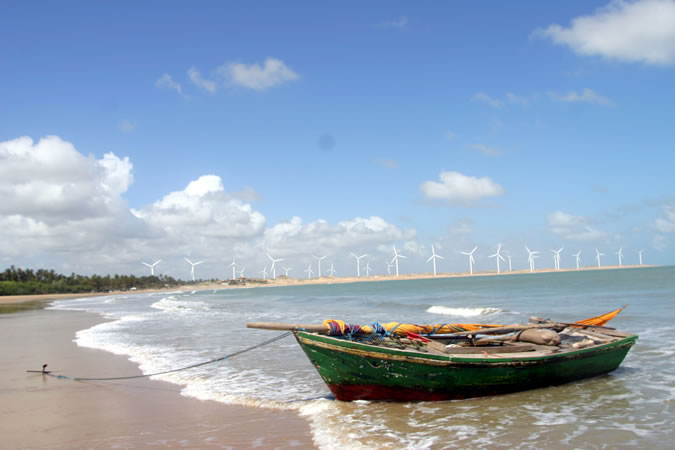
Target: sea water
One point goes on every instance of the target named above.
(634, 406)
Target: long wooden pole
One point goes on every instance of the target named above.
(312, 328)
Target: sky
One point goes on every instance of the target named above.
(137, 131)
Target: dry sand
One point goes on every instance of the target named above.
(38, 411)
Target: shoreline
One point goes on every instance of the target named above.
(43, 411)
(39, 301)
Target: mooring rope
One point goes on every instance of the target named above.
(222, 358)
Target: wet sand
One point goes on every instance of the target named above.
(38, 411)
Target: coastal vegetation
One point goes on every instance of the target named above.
(18, 281)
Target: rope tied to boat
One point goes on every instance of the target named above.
(192, 366)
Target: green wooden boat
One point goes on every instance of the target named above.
(402, 369)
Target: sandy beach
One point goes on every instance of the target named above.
(42, 411)
(39, 411)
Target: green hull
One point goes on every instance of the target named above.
(357, 371)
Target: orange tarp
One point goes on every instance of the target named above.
(601, 320)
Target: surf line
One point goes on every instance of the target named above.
(50, 373)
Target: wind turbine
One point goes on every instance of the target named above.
(471, 260)
(241, 272)
(556, 258)
(264, 273)
(530, 258)
(287, 269)
(274, 261)
(319, 262)
(233, 265)
(396, 257)
(192, 271)
(368, 269)
(433, 258)
(389, 266)
(309, 272)
(577, 257)
(598, 255)
(510, 270)
(152, 266)
(640, 253)
(331, 271)
(498, 256)
(620, 253)
(358, 263)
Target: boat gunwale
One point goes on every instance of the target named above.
(369, 350)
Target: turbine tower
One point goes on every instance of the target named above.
(152, 266)
(368, 269)
(233, 265)
(192, 270)
(264, 273)
(433, 258)
(510, 270)
(640, 253)
(620, 253)
(287, 269)
(396, 257)
(331, 271)
(389, 266)
(530, 258)
(358, 263)
(319, 262)
(241, 272)
(272, 269)
(598, 255)
(556, 257)
(498, 256)
(309, 271)
(577, 256)
(471, 260)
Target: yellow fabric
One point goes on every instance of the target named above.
(403, 328)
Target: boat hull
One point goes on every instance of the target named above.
(357, 371)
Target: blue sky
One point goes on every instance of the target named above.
(239, 128)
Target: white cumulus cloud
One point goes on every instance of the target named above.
(294, 237)
(641, 31)
(482, 97)
(274, 72)
(203, 209)
(58, 201)
(455, 188)
(51, 181)
(166, 82)
(575, 228)
(586, 96)
(400, 23)
(196, 78)
(666, 224)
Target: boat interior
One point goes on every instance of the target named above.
(530, 342)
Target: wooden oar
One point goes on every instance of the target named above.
(507, 329)
(312, 328)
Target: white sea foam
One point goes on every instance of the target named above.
(463, 312)
(171, 304)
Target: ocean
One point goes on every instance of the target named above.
(633, 406)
